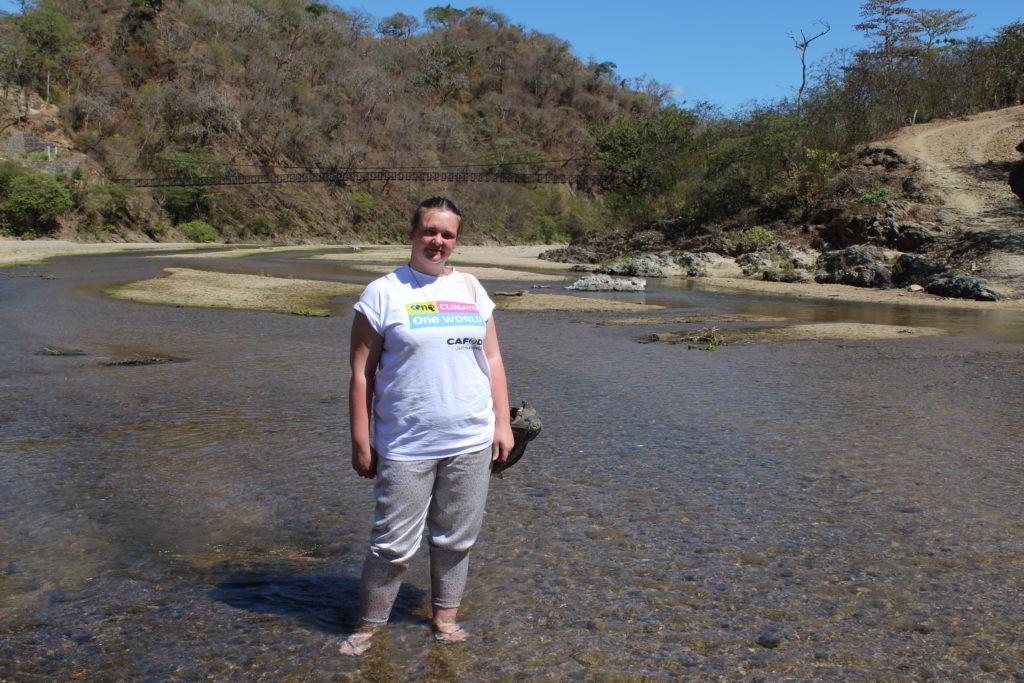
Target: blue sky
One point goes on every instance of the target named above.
(726, 53)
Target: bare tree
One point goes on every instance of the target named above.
(802, 45)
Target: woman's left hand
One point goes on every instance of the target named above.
(502, 444)
(503, 439)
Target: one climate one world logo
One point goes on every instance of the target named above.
(443, 314)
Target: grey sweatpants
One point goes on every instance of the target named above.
(444, 495)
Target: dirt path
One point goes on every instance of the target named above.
(964, 164)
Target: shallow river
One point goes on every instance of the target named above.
(833, 510)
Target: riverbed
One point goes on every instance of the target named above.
(177, 503)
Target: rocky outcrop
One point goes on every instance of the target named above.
(856, 266)
(570, 254)
(606, 283)
(844, 229)
(779, 263)
(640, 265)
(963, 287)
(885, 157)
(870, 267)
(707, 264)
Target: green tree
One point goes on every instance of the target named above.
(1006, 53)
(443, 17)
(933, 27)
(41, 43)
(190, 202)
(888, 23)
(642, 152)
(637, 148)
(34, 201)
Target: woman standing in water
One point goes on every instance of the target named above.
(426, 364)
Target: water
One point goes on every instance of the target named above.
(837, 510)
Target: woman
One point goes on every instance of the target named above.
(426, 364)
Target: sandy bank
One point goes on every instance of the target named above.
(14, 252)
(846, 293)
(233, 252)
(816, 331)
(187, 287)
(530, 301)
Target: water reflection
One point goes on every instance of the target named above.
(814, 509)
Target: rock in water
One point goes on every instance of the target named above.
(606, 283)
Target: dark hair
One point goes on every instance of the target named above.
(434, 204)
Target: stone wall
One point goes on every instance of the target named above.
(18, 142)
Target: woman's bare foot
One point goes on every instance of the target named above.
(450, 632)
(357, 643)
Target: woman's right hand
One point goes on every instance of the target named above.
(364, 355)
(364, 462)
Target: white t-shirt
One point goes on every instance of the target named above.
(432, 391)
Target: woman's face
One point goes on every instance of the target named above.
(433, 240)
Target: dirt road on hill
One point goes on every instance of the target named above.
(964, 164)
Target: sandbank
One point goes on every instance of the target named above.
(811, 290)
(234, 252)
(21, 252)
(530, 301)
(783, 333)
(188, 287)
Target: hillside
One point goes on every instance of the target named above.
(963, 166)
(240, 86)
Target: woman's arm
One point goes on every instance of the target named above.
(503, 440)
(364, 355)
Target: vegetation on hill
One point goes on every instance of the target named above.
(158, 87)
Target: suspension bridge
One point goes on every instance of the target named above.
(580, 180)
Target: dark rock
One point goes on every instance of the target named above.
(843, 229)
(849, 257)
(963, 287)
(141, 360)
(876, 276)
(912, 190)
(570, 254)
(912, 237)
(856, 266)
(886, 157)
(911, 269)
(770, 640)
(646, 241)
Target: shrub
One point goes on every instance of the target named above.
(754, 238)
(878, 194)
(198, 231)
(33, 203)
(9, 170)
